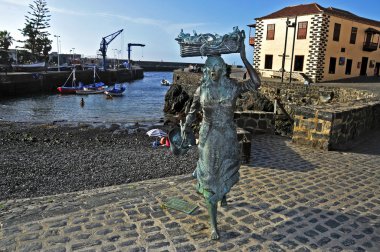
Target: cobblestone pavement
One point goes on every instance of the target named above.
(290, 198)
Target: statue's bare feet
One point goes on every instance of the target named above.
(223, 203)
(214, 235)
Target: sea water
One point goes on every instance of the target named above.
(142, 102)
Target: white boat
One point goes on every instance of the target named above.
(86, 91)
(165, 82)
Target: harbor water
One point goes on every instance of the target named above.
(143, 102)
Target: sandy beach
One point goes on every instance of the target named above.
(47, 159)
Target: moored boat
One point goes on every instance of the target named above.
(67, 88)
(93, 88)
(116, 90)
(165, 82)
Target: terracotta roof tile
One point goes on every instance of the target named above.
(348, 15)
(298, 10)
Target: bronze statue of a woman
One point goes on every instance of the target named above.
(219, 158)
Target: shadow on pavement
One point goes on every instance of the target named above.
(368, 145)
(276, 152)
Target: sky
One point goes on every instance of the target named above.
(81, 24)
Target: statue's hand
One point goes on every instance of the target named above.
(184, 130)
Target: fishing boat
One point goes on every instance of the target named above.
(165, 82)
(93, 88)
(70, 88)
(116, 90)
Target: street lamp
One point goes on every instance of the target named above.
(288, 24)
(16, 55)
(57, 36)
(294, 41)
(73, 52)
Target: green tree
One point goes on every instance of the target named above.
(36, 24)
(6, 40)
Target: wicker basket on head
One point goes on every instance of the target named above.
(209, 44)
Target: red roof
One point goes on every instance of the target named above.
(297, 10)
(314, 8)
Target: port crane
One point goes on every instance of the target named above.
(104, 44)
(129, 51)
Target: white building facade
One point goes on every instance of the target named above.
(322, 43)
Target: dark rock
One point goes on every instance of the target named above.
(175, 100)
(254, 101)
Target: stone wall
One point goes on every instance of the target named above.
(336, 129)
(295, 95)
(312, 127)
(327, 118)
(349, 125)
(255, 121)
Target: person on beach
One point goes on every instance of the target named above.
(219, 157)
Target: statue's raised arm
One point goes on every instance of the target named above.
(255, 79)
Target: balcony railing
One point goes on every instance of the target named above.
(369, 46)
(252, 41)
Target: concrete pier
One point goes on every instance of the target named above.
(16, 83)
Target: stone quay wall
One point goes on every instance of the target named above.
(335, 129)
(328, 118)
(14, 84)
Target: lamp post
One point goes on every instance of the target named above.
(284, 54)
(73, 53)
(16, 55)
(57, 36)
(288, 24)
(294, 41)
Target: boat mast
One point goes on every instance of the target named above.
(74, 79)
(94, 73)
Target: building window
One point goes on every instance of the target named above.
(268, 61)
(354, 31)
(302, 30)
(270, 32)
(336, 32)
(298, 63)
(348, 67)
(332, 65)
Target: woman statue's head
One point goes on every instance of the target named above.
(215, 67)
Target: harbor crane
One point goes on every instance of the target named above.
(129, 51)
(104, 44)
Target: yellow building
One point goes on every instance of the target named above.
(326, 44)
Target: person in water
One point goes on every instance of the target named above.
(219, 156)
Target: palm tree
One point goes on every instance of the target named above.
(6, 40)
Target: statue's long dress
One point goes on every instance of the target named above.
(219, 155)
